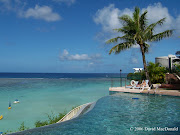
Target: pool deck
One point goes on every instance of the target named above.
(152, 91)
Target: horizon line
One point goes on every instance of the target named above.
(59, 73)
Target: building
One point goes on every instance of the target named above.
(137, 70)
(167, 61)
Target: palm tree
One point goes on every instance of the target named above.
(137, 31)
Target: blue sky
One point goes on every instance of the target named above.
(68, 36)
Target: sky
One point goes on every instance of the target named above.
(68, 36)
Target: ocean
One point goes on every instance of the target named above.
(60, 75)
(41, 94)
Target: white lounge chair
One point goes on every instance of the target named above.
(139, 86)
(133, 84)
(146, 86)
(143, 85)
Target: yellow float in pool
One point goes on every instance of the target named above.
(9, 107)
(1, 117)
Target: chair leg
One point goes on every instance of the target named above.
(141, 89)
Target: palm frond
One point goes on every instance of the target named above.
(123, 30)
(147, 35)
(122, 46)
(112, 40)
(136, 14)
(162, 35)
(146, 47)
(143, 20)
(125, 38)
(128, 29)
(126, 19)
(153, 25)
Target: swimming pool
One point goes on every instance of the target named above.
(121, 113)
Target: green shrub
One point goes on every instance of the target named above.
(51, 119)
(136, 76)
(41, 123)
(8, 131)
(156, 73)
(22, 127)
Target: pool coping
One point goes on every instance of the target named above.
(152, 91)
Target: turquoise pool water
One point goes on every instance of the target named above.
(121, 115)
(39, 97)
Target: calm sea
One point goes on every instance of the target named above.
(43, 93)
(61, 75)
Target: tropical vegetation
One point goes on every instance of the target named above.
(52, 118)
(136, 76)
(156, 73)
(137, 31)
(22, 127)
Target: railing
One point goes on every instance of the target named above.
(177, 71)
(119, 82)
(177, 76)
(123, 81)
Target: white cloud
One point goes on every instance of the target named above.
(108, 17)
(157, 12)
(136, 46)
(90, 64)
(41, 12)
(38, 12)
(78, 57)
(134, 60)
(10, 5)
(69, 2)
(178, 25)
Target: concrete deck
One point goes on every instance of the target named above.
(152, 91)
(123, 89)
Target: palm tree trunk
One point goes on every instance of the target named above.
(144, 63)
